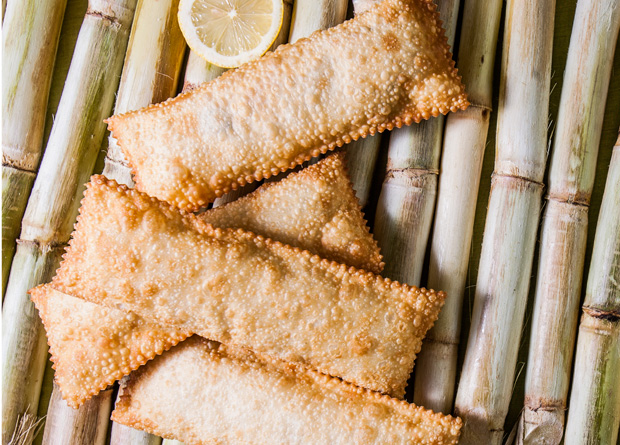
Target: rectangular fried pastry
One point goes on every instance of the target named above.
(387, 67)
(92, 346)
(135, 253)
(203, 393)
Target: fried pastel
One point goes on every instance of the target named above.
(92, 346)
(135, 253)
(315, 209)
(387, 67)
(201, 392)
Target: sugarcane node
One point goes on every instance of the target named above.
(612, 316)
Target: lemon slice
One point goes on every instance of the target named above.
(228, 33)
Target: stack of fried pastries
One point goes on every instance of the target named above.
(294, 338)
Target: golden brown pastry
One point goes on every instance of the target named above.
(314, 209)
(135, 253)
(203, 393)
(92, 346)
(387, 67)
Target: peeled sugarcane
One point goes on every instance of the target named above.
(565, 223)
(29, 43)
(463, 150)
(594, 409)
(69, 158)
(485, 388)
(407, 200)
(87, 425)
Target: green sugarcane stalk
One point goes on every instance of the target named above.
(29, 42)
(594, 408)
(69, 158)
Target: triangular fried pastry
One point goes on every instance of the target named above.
(314, 209)
(135, 253)
(83, 336)
(386, 67)
(92, 346)
(203, 393)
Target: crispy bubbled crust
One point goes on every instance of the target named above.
(134, 252)
(255, 400)
(92, 346)
(388, 67)
(314, 209)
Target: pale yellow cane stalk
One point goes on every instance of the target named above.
(462, 153)
(565, 223)
(485, 387)
(407, 200)
(594, 409)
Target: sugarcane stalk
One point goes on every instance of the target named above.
(594, 409)
(198, 70)
(122, 435)
(485, 388)
(313, 15)
(68, 161)
(407, 200)
(29, 42)
(565, 221)
(459, 179)
(86, 425)
(361, 159)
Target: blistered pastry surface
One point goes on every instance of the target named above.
(203, 393)
(387, 67)
(136, 253)
(314, 209)
(92, 346)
